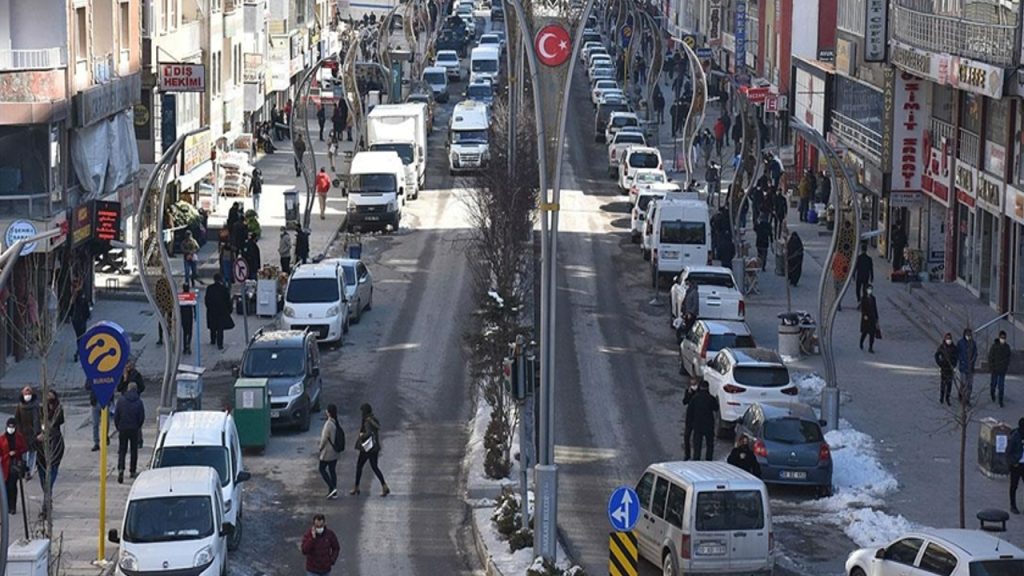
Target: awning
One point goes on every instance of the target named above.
(190, 179)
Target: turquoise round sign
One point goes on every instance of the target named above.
(103, 352)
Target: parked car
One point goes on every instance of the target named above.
(638, 215)
(481, 90)
(425, 99)
(497, 13)
(617, 121)
(707, 337)
(290, 361)
(449, 60)
(634, 158)
(600, 87)
(645, 178)
(716, 287)
(358, 287)
(623, 139)
(949, 552)
(789, 445)
(315, 299)
(738, 377)
(605, 108)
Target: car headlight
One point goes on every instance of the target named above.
(295, 389)
(203, 556)
(392, 206)
(332, 311)
(289, 312)
(486, 155)
(127, 561)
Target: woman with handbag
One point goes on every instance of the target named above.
(368, 444)
(12, 448)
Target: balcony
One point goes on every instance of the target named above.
(858, 136)
(32, 84)
(41, 59)
(987, 39)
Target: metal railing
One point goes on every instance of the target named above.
(985, 41)
(857, 134)
(37, 59)
(968, 149)
(941, 129)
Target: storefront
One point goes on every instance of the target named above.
(988, 235)
(935, 183)
(1014, 210)
(966, 200)
(812, 105)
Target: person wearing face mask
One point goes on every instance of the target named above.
(998, 364)
(946, 360)
(27, 415)
(868, 319)
(967, 358)
(12, 448)
(743, 457)
(320, 547)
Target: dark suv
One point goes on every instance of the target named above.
(290, 361)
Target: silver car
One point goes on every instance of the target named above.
(358, 287)
(706, 338)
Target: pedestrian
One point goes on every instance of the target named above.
(300, 151)
(704, 407)
(899, 243)
(1015, 457)
(189, 253)
(863, 271)
(691, 391)
(323, 186)
(659, 105)
(13, 448)
(774, 168)
(276, 121)
(321, 119)
(794, 258)
(51, 442)
(256, 188)
(301, 246)
(129, 417)
(284, 250)
(129, 375)
(781, 209)
(218, 311)
(96, 413)
(946, 359)
(691, 304)
(967, 357)
(720, 131)
(234, 214)
(337, 119)
(187, 311)
(239, 232)
(226, 257)
(743, 457)
(320, 547)
(332, 443)
(763, 230)
(368, 443)
(332, 149)
(804, 189)
(27, 414)
(288, 112)
(824, 188)
(707, 141)
(251, 253)
(998, 364)
(79, 314)
(673, 112)
(737, 133)
(868, 319)
(726, 249)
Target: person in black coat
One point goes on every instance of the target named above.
(188, 318)
(301, 246)
(704, 406)
(79, 316)
(726, 249)
(794, 258)
(218, 310)
(998, 364)
(863, 272)
(251, 253)
(239, 232)
(946, 360)
(691, 391)
(131, 375)
(743, 457)
(868, 319)
(128, 419)
(763, 230)
(899, 242)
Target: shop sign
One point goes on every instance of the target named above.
(845, 56)
(990, 191)
(995, 158)
(104, 100)
(21, 230)
(888, 98)
(715, 30)
(911, 60)
(176, 77)
(964, 181)
(911, 111)
(935, 179)
(741, 35)
(904, 199)
(107, 220)
(756, 95)
(1015, 204)
(196, 150)
(81, 224)
(252, 70)
(827, 55)
(875, 19)
(976, 77)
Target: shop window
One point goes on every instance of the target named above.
(996, 113)
(942, 103)
(81, 35)
(970, 112)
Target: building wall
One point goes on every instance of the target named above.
(31, 31)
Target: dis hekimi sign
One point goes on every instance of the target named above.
(182, 77)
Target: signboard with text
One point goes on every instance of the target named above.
(741, 36)
(875, 36)
(107, 221)
(911, 113)
(176, 77)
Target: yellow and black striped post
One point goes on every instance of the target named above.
(622, 554)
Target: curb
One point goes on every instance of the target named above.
(490, 568)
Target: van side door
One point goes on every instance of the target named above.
(657, 527)
(644, 488)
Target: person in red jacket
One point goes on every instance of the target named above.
(12, 448)
(320, 547)
(323, 186)
(719, 136)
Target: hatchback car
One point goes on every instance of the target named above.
(789, 445)
(738, 377)
(358, 287)
(290, 361)
(707, 337)
(449, 60)
(948, 552)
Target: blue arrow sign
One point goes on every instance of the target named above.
(623, 509)
(103, 352)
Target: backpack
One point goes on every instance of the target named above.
(336, 444)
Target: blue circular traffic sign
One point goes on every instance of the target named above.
(623, 509)
(103, 352)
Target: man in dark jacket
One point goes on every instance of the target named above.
(737, 133)
(946, 360)
(691, 391)
(863, 271)
(320, 547)
(131, 374)
(726, 249)
(868, 320)
(743, 457)
(763, 230)
(321, 119)
(998, 364)
(301, 245)
(129, 417)
(967, 358)
(218, 310)
(251, 253)
(704, 407)
(1015, 457)
(300, 151)
(188, 318)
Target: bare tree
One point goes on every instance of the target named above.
(960, 415)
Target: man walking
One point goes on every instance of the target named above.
(79, 315)
(719, 135)
(321, 119)
(320, 547)
(704, 408)
(659, 105)
(218, 310)
(129, 417)
(967, 357)
(300, 151)
(763, 230)
(284, 250)
(946, 360)
(863, 271)
(868, 320)
(998, 364)
(1015, 456)
(691, 391)
(332, 443)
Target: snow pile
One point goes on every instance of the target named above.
(810, 386)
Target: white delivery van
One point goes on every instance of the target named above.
(704, 518)
(316, 299)
(680, 235)
(402, 128)
(173, 524)
(376, 191)
(638, 215)
(485, 64)
(207, 438)
(468, 148)
(437, 78)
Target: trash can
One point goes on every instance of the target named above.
(189, 387)
(992, 441)
(291, 207)
(789, 336)
(251, 412)
(355, 251)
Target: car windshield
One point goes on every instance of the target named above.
(168, 519)
(373, 183)
(1006, 567)
(485, 65)
(485, 40)
(312, 290)
(649, 177)
(448, 57)
(712, 279)
(273, 362)
(434, 78)
(215, 457)
(629, 138)
(350, 274)
(761, 376)
(644, 201)
(620, 121)
(792, 431)
(644, 160)
(469, 136)
(680, 232)
(405, 151)
(418, 98)
(720, 341)
(479, 91)
(728, 510)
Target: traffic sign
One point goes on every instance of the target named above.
(187, 298)
(623, 554)
(553, 45)
(771, 103)
(21, 230)
(690, 40)
(703, 53)
(241, 270)
(103, 352)
(623, 509)
(627, 34)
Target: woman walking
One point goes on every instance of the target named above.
(368, 444)
(332, 443)
(868, 319)
(12, 448)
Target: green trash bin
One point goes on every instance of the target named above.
(252, 412)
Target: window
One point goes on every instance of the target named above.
(792, 431)
(660, 494)
(996, 116)
(997, 568)
(170, 15)
(676, 503)
(81, 35)
(169, 519)
(215, 457)
(729, 510)
(761, 376)
(850, 16)
(643, 489)
(680, 232)
(720, 341)
(644, 160)
(938, 560)
(215, 5)
(970, 112)
(904, 551)
(311, 290)
(125, 20)
(273, 362)
(942, 103)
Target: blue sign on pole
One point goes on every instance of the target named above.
(103, 352)
(627, 34)
(623, 509)
(741, 37)
(703, 53)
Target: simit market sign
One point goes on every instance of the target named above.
(911, 114)
(182, 78)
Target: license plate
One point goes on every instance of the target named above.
(793, 475)
(275, 413)
(671, 254)
(372, 218)
(713, 549)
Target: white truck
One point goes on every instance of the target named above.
(402, 128)
(376, 191)
(468, 148)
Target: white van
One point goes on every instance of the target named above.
(376, 191)
(468, 148)
(315, 299)
(704, 518)
(402, 128)
(437, 78)
(638, 215)
(207, 438)
(485, 64)
(173, 524)
(680, 231)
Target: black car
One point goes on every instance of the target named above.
(497, 14)
(604, 111)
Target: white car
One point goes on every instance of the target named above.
(645, 178)
(739, 377)
(595, 53)
(600, 71)
(492, 39)
(634, 158)
(719, 297)
(601, 60)
(315, 298)
(600, 87)
(638, 215)
(591, 48)
(449, 60)
(623, 139)
(617, 121)
(948, 552)
(358, 287)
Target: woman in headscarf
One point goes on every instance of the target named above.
(794, 258)
(12, 449)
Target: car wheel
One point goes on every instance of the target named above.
(668, 565)
(647, 254)
(344, 327)
(654, 277)
(307, 417)
(826, 491)
(359, 312)
(369, 302)
(857, 572)
(236, 536)
(611, 173)
(722, 429)
(316, 406)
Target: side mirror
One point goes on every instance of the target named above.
(315, 371)
(236, 371)
(363, 279)
(227, 529)
(823, 423)
(243, 476)
(880, 554)
(113, 536)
